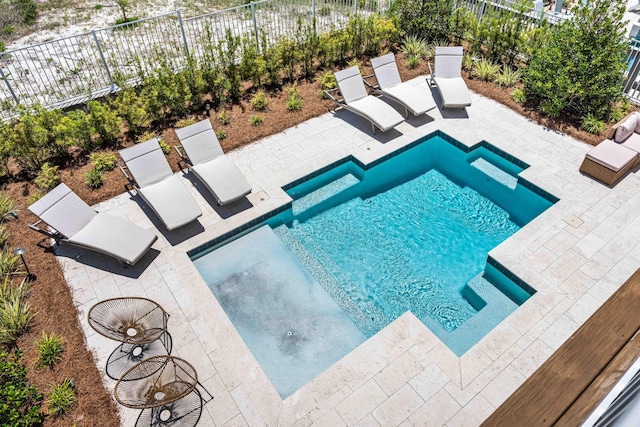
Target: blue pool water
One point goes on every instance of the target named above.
(410, 232)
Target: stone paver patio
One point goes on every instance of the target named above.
(576, 254)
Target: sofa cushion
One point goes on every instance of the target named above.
(626, 128)
(637, 121)
(611, 155)
(633, 142)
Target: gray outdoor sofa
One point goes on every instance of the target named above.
(72, 221)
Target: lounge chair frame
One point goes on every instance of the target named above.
(60, 238)
(169, 178)
(394, 81)
(212, 166)
(342, 102)
(451, 53)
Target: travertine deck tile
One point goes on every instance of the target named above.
(576, 254)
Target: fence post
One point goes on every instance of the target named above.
(355, 7)
(313, 8)
(4, 77)
(633, 73)
(481, 10)
(184, 37)
(104, 61)
(255, 24)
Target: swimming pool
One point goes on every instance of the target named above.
(410, 231)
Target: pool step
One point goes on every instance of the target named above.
(495, 172)
(323, 193)
(371, 321)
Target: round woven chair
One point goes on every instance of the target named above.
(125, 356)
(184, 412)
(130, 320)
(155, 382)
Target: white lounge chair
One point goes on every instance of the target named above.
(156, 183)
(356, 99)
(414, 95)
(209, 163)
(72, 221)
(447, 76)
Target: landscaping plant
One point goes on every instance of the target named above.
(49, 349)
(579, 68)
(15, 311)
(425, 18)
(61, 397)
(103, 161)
(48, 177)
(21, 401)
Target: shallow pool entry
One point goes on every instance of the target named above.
(361, 245)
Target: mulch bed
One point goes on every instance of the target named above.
(51, 299)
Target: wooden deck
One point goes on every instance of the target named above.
(573, 381)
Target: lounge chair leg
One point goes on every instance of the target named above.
(373, 127)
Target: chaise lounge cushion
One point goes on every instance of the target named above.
(611, 155)
(375, 110)
(115, 237)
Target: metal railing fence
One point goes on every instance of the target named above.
(72, 70)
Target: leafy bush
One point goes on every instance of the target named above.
(259, 101)
(308, 43)
(619, 110)
(424, 18)
(133, 109)
(221, 134)
(7, 207)
(76, 129)
(32, 137)
(294, 101)
(185, 122)
(62, 397)
(486, 69)
(94, 178)
(49, 349)
(580, 67)
(15, 311)
(592, 124)
(256, 120)
(327, 82)
(252, 64)
(146, 136)
(34, 197)
(414, 46)
(103, 161)
(468, 61)
(508, 77)
(518, 96)
(4, 235)
(20, 401)
(166, 148)
(223, 117)
(105, 120)
(48, 177)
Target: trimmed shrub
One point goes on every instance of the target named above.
(20, 400)
(48, 177)
(103, 161)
